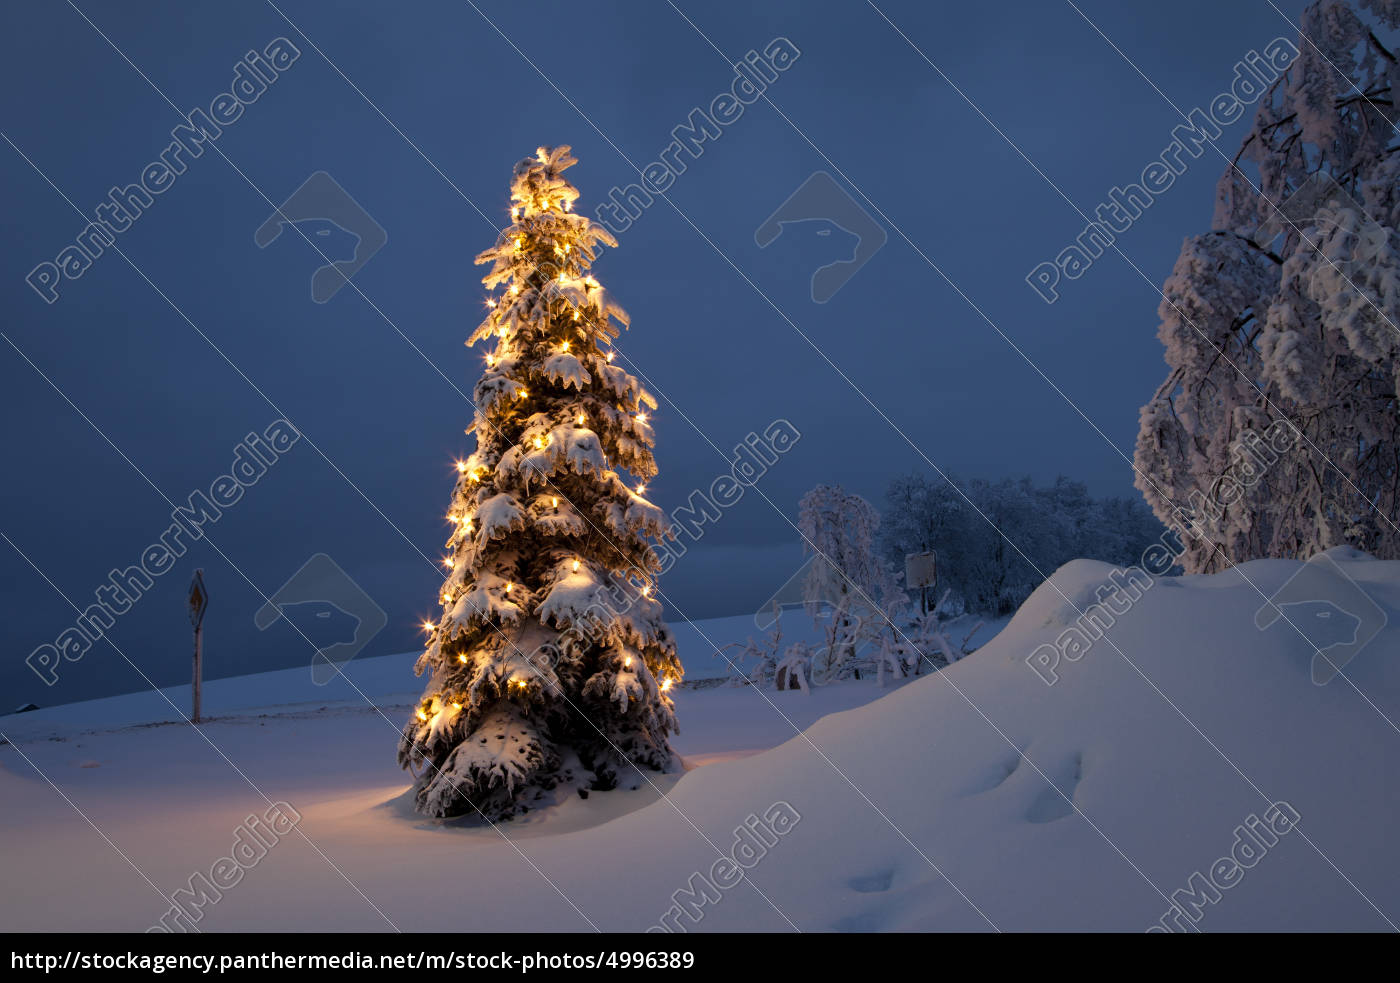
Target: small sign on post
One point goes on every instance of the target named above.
(199, 601)
(921, 571)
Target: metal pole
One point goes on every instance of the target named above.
(198, 665)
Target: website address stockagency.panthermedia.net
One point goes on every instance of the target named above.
(206, 963)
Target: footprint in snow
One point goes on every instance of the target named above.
(1057, 801)
(873, 883)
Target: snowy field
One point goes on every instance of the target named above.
(976, 798)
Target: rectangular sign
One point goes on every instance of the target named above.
(921, 569)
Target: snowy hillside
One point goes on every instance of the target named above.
(975, 798)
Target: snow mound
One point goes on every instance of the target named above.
(1104, 799)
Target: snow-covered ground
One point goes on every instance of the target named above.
(977, 797)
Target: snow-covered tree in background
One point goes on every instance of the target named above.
(850, 589)
(974, 524)
(549, 664)
(923, 515)
(1290, 311)
(838, 531)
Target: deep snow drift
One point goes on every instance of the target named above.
(978, 797)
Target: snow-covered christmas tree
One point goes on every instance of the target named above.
(549, 665)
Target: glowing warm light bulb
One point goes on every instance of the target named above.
(610, 356)
(566, 346)
(582, 419)
(575, 566)
(554, 502)
(462, 658)
(627, 662)
(421, 714)
(515, 289)
(641, 418)
(456, 706)
(446, 598)
(491, 361)
(508, 587)
(521, 393)
(539, 443)
(641, 488)
(665, 685)
(646, 591)
(428, 626)
(462, 467)
(448, 562)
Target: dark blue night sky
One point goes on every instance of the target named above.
(211, 338)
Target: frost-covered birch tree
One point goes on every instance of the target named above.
(549, 664)
(1286, 316)
(850, 589)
